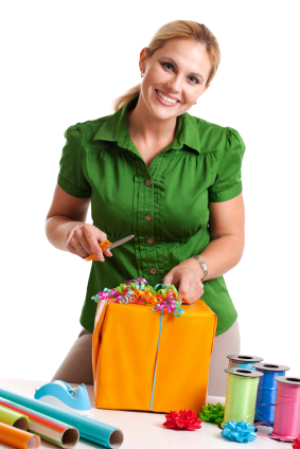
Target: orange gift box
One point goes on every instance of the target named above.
(152, 361)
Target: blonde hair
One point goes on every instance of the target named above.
(184, 29)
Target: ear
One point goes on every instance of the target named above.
(142, 61)
(206, 88)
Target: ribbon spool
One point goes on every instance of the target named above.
(267, 391)
(241, 395)
(243, 361)
(287, 409)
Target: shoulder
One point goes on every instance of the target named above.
(85, 131)
(214, 136)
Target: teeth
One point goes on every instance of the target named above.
(168, 99)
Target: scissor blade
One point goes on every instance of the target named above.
(120, 242)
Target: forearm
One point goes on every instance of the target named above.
(59, 229)
(221, 254)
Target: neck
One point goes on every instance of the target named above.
(142, 124)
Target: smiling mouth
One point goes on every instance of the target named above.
(165, 98)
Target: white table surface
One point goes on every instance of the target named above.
(144, 430)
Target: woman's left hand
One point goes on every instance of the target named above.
(188, 276)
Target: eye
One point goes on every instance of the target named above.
(193, 80)
(167, 65)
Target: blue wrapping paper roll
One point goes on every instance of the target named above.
(89, 429)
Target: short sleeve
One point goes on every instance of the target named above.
(72, 177)
(228, 182)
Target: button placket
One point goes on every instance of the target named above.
(146, 204)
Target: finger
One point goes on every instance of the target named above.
(85, 244)
(93, 244)
(108, 253)
(169, 278)
(201, 290)
(86, 236)
(81, 252)
(184, 290)
(196, 291)
(82, 242)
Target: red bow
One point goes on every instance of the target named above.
(185, 419)
(296, 444)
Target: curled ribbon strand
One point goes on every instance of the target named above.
(138, 291)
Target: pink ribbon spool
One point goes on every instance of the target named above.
(287, 409)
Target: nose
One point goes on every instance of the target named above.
(174, 83)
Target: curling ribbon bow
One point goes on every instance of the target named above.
(184, 419)
(296, 444)
(241, 432)
(212, 413)
(138, 291)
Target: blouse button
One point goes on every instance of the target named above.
(148, 217)
(153, 270)
(150, 241)
(148, 182)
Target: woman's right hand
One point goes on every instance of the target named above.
(66, 228)
(87, 237)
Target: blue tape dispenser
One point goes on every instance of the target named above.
(62, 395)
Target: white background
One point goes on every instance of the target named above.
(64, 62)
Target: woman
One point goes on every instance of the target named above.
(173, 180)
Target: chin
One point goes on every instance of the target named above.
(165, 115)
(163, 112)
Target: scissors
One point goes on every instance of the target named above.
(106, 244)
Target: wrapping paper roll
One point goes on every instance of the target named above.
(89, 429)
(48, 429)
(18, 438)
(13, 418)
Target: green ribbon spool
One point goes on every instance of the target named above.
(241, 394)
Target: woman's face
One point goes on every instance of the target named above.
(174, 77)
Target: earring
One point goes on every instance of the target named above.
(142, 74)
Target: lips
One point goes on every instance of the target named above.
(164, 99)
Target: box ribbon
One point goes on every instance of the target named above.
(154, 378)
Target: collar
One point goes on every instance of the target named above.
(115, 129)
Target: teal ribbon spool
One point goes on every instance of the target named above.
(243, 361)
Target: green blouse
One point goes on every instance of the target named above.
(164, 205)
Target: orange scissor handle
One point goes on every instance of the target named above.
(102, 246)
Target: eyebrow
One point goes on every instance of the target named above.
(175, 64)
